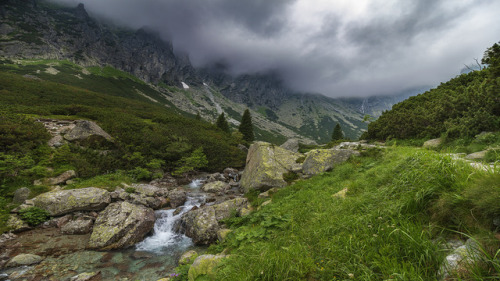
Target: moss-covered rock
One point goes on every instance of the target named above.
(266, 165)
(216, 186)
(16, 224)
(67, 201)
(188, 257)
(204, 265)
(322, 160)
(121, 225)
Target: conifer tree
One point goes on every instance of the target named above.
(246, 128)
(222, 123)
(198, 116)
(337, 133)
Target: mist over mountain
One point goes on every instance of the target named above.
(336, 48)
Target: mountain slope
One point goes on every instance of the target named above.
(41, 30)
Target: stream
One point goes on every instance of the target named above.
(151, 259)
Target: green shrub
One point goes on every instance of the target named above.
(34, 215)
(140, 173)
(289, 177)
(130, 190)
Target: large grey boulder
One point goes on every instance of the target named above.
(62, 202)
(291, 144)
(62, 178)
(78, 226)
(121, 225)
(322, 160)
(266, 165)
(177, 197)
(84, 129)
(202, 224)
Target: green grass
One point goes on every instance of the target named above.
(107, 181)
(386, 228)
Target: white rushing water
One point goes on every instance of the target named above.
(164, 238)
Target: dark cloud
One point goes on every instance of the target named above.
(335, 47)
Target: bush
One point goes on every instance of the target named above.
(34, 215)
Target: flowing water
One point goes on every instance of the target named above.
(153, 258)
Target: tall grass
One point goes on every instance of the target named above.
(383, 230)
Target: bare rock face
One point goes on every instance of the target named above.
(266, 165)
(121, 225)
(67, 201)
(84, 129)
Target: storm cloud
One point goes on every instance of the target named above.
(335, 47)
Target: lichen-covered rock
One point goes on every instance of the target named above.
(150, 190)
(62, 178)
(462, 257)
(477, 155)
(188, 257)
(200, 225)
(177, 197)
(204, 265)
(150, 202)
(87, 276)
(79, 226)
(24, 259)
(215, 187)
(84, 129)
(121, 225)
(67, 201)
(21, 194)
(222, 234)
(291, 144)
(16, 224)
(322, 160)
(265, 166)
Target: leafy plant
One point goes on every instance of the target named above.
(34, 215)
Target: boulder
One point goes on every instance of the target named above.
(79, 226)
(188, 257)
(62, 178)
(433, 143)
(268, 193)
(177, 197)
(265, 166)
(21, 194)
(202, 224)
(462, 257)
(232, 174)
(150, 202)
(477, 155)
(16, 224)
(121, 225)
(204, 265)
(167, 181)
(67, 201)
(322, 160)
(24, 259)
(215, 187)
(87, 276)
(291, 144)
(222, 234)
(85, 129)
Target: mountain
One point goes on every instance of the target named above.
(33, 32)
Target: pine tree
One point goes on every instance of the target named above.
(198, 116)
(337, 133)
(222, 123)
(246, 128)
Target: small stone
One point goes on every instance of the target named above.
(433, 143)
(87, 276)
(24, 259)
(222, 234)
(341, 194)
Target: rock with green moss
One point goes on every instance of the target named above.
(87, 276)
(121, 225)
(188, 257)
(16, 224)
(225, 209)
(322, 160)
(24, 259)
(204, 265)
(266, 165)
(215, 187)
(62, 202)
(222, 234)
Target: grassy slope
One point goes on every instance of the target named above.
(388, 227)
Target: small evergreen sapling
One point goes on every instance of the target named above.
(337, 133)
(222, 123)
(246, 128)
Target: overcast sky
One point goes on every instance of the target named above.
(333, 47)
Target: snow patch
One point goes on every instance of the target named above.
(184, 85)
(205, 84)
